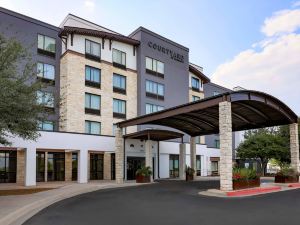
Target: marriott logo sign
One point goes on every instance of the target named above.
(173, 55)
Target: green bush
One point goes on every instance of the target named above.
(144, 171)
(244, 174)
(189, 171)
(287, 171)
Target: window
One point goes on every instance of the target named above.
(215, 93)
(46, 125)
(155, 67)
(92, 50)
(217, 143)
(119, 83)
(92, 127)
(214, 167)
(46, 71)
(150, 108)
(46, 45)
(119, 58)
(45, 98)
(195, 98)
(155, 90)
(195, 84)
(92, 103)
(92, 76)
(114, 130)
(119, 108)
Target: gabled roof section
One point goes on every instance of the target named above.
(97, 33)
(193, 69)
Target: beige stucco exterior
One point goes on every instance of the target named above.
(73, 89)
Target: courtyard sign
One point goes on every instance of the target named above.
(173, 55)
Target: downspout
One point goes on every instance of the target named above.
(124, 159)
(158, 154)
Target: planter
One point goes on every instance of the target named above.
(189, 177)
(286, 179)
(242, 184)
(143, 179)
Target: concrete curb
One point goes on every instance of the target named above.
(22, 214)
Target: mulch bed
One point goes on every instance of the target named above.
(23, 191)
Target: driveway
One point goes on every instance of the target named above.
(171, 203)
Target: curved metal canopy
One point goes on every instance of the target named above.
(154, 134)
(250, 110)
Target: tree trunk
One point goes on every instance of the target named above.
(264, 164)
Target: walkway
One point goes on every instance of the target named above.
(171, 203)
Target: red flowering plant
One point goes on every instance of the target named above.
(243, 174)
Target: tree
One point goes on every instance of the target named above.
(264, 144)
(19, 111)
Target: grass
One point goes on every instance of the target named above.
(23, 191)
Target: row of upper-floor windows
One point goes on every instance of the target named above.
(196, 84)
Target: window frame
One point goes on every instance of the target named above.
(89, 110)
(116, 64)
(44, 51)
(119, 89)
(152, 105)
(198, 81)
(43, 78)
(90, 123)
(90, 55)
(41, 125)
(118, 114)
(43, 97)
(89, 82)
(153, 94)
(154, 71)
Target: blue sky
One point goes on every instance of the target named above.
(219, 33)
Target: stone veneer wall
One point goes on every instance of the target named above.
(107, 166)
(73, 89)
(68, 166)
(21, 167)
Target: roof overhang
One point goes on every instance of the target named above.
(199, 74)
(97, 33)
(155, 135)
(250, 110)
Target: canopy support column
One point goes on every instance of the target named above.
(294, 146)
(193, 152)
(225, 126)
(182, 160)
(119, 154)
(148, 151)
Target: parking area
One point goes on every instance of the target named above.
(171, 202)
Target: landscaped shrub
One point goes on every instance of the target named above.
(244, 174)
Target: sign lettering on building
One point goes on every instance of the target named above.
(173, 55)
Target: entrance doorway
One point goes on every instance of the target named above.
(174, 166)
(198, 165)
(8, 166)
(133, 164)
(74, 166)
(40, 166)
(96, 166)
(113, 166)
(56, 166)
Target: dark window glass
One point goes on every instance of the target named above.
(56, 166)
(8, 166)
(92, 74)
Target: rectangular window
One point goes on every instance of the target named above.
(151, 108)
(155, 90)
(217, 143)
(119, 58)
(92, 50)
(92, 103)
(119, 83)
(46, 45)
(92, 127)
(46, 125)
(119, 108)
(45, 98)
(155, 67)
(45, 71)
(92, 76)
(195, 84)
(195, 98)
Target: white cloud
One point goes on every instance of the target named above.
(271, 65)
(285, 21)
(89, 4)
(296, 4)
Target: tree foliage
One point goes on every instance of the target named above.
(19, 111)
(265, 144)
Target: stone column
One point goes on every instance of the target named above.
(82, 166)
(294, 146)
(193, 152)
(119, 152)
(182, 160)
(21, 167)
(46, 167)
(225, 126)
(30, 167)
(68, 166)
(107, 166)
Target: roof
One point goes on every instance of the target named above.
(250, 110)
(155, 135)
(198, 73)
(97, 33)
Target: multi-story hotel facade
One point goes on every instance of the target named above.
(101, 78)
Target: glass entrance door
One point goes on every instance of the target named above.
(198, 165)
(113, 166)
(56, 166)
(40, 166)
(174, 166)
(133, 164)
(74, 166)
(8, 166)
(96, 166)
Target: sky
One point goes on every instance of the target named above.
(254, 44)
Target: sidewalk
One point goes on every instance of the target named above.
(15, 210)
